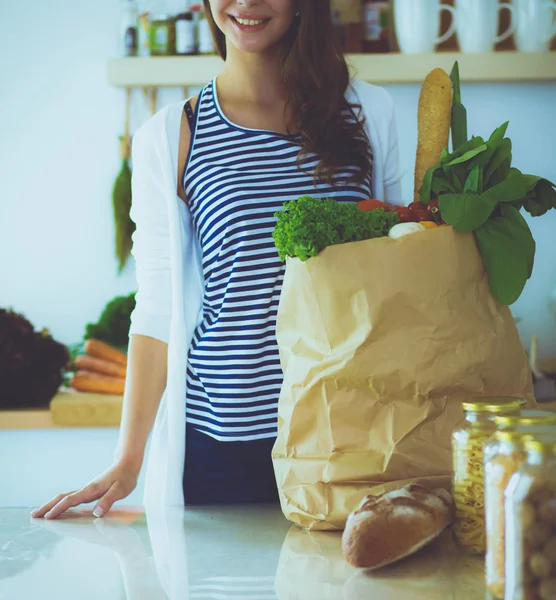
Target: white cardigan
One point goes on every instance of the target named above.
(169, 271)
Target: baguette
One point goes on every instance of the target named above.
(85, 381)
(387, 528)
(434, 120)
(84, 362)
(99, 349)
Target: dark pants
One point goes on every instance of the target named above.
(227, 472)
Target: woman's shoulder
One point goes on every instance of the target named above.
(155, 129)
(373, 98)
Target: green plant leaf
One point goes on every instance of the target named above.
(441, 185)
(541, 199)
(465, 212)
(493, 143)
(508, 252)
(425, 190)
(499, 165)
(472, 144)
(467, 156)
(459, 114)
(474, 181)
(515, 187)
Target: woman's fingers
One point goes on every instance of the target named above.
(116, 492)
(91, 492)
(41, 511)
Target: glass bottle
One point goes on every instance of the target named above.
(531, 524)
(468, 443)
(376, 26)
(129, 31)
(504, 453)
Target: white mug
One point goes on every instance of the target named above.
(535, 24)
(418, 25)
(477, 24)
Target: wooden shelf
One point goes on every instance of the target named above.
(68, 409)
(508, 66)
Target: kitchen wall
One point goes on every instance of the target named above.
(59, 154)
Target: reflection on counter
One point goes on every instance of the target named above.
(213, 553)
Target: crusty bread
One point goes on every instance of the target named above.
(387, 528)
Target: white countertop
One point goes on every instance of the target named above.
(236, 553)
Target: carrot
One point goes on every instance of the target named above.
(98, 365)
(434, 119)
(104, 351)
(85, 381)
(371, 204)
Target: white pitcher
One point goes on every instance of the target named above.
(477, 24)
(418, 25)
(535, 24)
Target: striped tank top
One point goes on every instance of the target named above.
(236, 179)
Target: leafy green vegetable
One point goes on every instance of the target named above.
(113, 324)
(459, 114)
(479, 191)
(465, 212)
(308, 225)
(508, 251)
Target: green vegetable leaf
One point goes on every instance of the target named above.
(467, 156)
(441, 185)
(492, 144)
(515, 187)
(474, 181)
(472, 144)
(425, 191)
(465, 212)
(499, 165)
(459, 114)
(508, 251)
(541, 199)
(308, 225)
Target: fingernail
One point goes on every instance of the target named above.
(34, 512)
(47, 516)
(98, 512)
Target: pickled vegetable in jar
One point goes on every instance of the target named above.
(531, 525)
(468, 443)
(504, 454)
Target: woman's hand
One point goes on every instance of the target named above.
(114, 484)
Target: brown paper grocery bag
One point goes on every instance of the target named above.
(380, 342)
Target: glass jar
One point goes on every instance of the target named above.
(504, 454)
(468, 442)
(531, 525)
(185, 34)
(162, 35)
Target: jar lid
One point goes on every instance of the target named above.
(527, 417)
(494, 404)
(543, 444)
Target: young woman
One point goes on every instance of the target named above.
(281, 120)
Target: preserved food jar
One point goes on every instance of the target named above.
(504, 454)
(468, 443)
(531, 524)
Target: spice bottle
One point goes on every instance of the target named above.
(129, 32)
(162, 35)
(376, 26)
(348, 22)
(185, 34)
(504, 453)
(468, 442)
(531, 525)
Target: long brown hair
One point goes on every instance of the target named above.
(316, 77)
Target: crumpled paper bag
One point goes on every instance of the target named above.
(380, 341)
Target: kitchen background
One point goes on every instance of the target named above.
(60, 154)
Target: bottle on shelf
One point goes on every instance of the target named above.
(376, 26)
(348, 22)
(129, 31)
(185, 34)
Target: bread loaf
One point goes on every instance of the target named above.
(387, 528)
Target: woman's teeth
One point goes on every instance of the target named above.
(248, 22)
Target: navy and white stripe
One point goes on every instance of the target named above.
(236, 179)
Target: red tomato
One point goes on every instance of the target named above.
(421, 215)
(372, 204)
(417, 206)
(406, 216)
